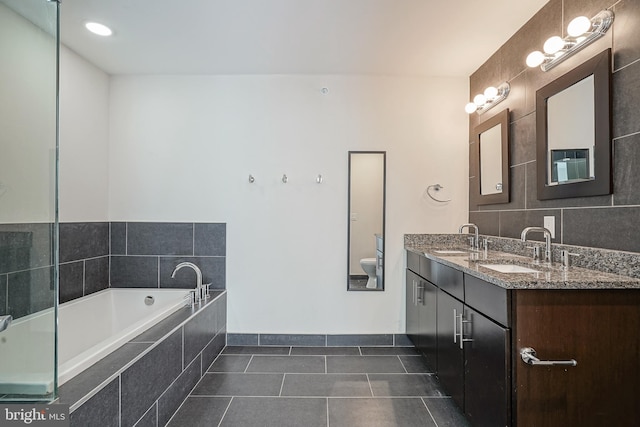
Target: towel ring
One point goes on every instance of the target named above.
(436, 188)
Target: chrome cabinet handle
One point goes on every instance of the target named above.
(455, 321)
(462, 338)
(419, 289)
(528, 355)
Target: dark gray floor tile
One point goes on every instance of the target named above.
(364, 364)
(255, 411)
(388, 351)
(288, 339)
(445, 412)
(404, 385)
(255, 350)
(355, 340)
(321, 385)
(287, 364)
(325, 351)
(230, 363)
(235, 384)
(200, 412)
(378, 413)
(415, 364)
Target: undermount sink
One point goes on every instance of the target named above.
(509, 268)
(450, 251)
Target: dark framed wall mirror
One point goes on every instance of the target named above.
(573, 132)
(366, 220)
(492, 152)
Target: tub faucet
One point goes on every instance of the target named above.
(200, 294)
(475, 241)
(547, 239)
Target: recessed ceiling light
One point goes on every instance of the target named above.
(99, 29)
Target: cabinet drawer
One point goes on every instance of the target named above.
(449, 280)
(413, 262)
(489, 299)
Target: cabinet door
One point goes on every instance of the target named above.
(428, 310)
(412, 309)
(487, 371)
(450, 355)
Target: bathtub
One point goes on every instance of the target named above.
(89, 328)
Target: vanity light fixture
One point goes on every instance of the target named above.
(581, 32)
(99, 29)
(491, 97)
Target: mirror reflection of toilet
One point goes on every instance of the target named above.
(369, 267)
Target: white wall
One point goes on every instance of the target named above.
(84, 139)
(27, 120)
(182, 148)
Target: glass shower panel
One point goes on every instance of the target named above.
(28, 199)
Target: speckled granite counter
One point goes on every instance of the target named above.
(546, 277)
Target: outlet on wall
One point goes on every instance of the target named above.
(550, 224)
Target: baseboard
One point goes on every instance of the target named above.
(319, 340)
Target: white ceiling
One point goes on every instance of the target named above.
(394, 37)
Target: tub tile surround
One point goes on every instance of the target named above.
(145, 381)
(592, 260)
(98, 255)
(26, 268)
(600, 221)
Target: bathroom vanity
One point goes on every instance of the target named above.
(471, 323)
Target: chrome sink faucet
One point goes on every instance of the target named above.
(199, 294)
(547, 239)
(475, 241)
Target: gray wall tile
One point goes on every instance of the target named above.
(488, 222)
(80, 240)
(199, 331)
(357, 340)
(523, 140)
(25, 246)
(101, 410)
(3, 294)
(625, 36)
(626, 98)
(30, 291)
(171, 399)
(134, 272)
(611, 228)
(213, 349)
(118, 238)
(149, 377)
(293, 340)
(513, 222)
(210, 239)
(626, 174)
(213, 271)
(159, 238)
(96, 275)
(71, 281)
(242, 339)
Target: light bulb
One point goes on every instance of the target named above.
(553, 45)
(479, 99)
(470, 108)
(490, 92)
(535, 58)
(578, 26)
(99, 29)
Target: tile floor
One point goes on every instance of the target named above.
(318, 386)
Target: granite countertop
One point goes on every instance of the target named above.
(547, 276)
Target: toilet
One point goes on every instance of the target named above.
(369, 267)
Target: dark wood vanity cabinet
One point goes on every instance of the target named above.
(469, 351)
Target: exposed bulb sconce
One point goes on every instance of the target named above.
(489, 99)
(581, 31)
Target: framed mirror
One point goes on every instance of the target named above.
(492, 145)
(366, 220)
(573, 116)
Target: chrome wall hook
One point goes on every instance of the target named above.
(285, 179)
(319, 179)
(251, 179)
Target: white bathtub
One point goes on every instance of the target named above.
(89, 328)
